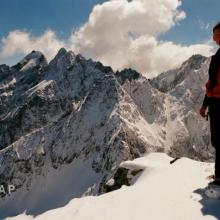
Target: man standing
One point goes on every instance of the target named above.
(212, 101)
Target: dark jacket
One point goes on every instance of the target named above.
(213, 85)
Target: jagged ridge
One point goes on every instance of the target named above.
(77, 111)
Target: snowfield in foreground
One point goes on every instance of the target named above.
(163, 191)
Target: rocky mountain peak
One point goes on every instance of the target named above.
(62, 51)
(32, 60)
(129, 74)
(3, 68)
(191, 70)
(4, 72)
(63, 58)
(194, 62)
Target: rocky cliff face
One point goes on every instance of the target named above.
(187, 85)
(66, 126)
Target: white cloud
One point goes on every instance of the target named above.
(119, 33)
(125, 33)
(22, 42)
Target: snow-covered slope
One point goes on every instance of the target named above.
(187, 85)
(163, 191)
(187, 82)
(66, 126)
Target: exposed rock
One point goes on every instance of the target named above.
(75, 116)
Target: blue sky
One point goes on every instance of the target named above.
(62, 16)
(199, 13)
(36, 16)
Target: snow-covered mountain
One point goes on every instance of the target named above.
(67, 125)
(187, 82)
(187, 85)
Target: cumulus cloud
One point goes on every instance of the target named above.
(119, 33)
(113, 23)
(23, 42)
(125, 33)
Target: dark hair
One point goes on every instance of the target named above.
(216, 27)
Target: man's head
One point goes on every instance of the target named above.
(216, 33)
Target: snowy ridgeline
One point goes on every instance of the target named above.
(68, 124)
(162, 191)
